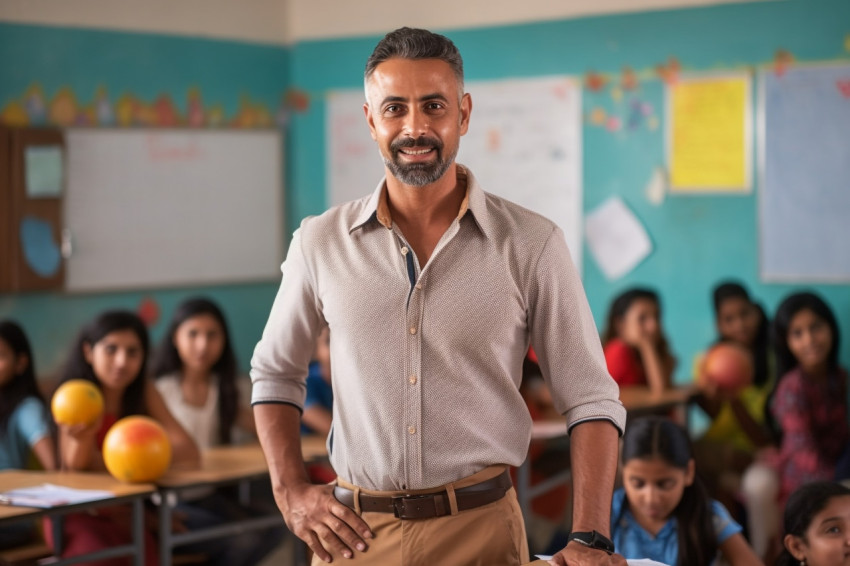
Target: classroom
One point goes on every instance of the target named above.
(268, 93)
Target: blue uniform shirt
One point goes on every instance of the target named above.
(319, 392)
(633, 542)
(26, 426)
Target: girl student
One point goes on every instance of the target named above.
(636, 349)
(663, 512)
(196, 374)
(737, 426)
(24, 421)
(807, 413)
(111, 352)
(817, 526)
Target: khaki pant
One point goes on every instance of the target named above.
(493, 534)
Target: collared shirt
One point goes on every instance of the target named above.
(427, 360)
(633, 542)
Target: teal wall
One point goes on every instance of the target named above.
(147, 66)
(698, 239)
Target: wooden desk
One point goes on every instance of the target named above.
(133, 494)
(220, 466)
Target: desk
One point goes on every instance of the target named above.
(639, 401)
(220, 466)
(134, 494)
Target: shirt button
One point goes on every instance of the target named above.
(404, 250)
(411, 429)
(412, 380)
(413, 330)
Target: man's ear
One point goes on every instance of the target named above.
(465, 112)
(370, 120)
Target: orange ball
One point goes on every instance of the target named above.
(136, 449)
(76, 402)
(729, 367)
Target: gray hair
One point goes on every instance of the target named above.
(412, 43)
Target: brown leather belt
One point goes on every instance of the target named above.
(429, 505)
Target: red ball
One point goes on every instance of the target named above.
(729, 367)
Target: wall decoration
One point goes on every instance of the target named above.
(65, 109)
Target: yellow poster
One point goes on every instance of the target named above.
(709, 137)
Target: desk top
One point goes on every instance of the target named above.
(16, 479)
(222, 464)
(641, 399)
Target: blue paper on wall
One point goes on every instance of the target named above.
(40, 251)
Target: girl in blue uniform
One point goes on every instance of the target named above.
(663, 511)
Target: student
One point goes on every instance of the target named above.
(737, 426)
(808, 413)
(196, 374)
(318, 405)
(663, 512)
(24, 421)
(817, 526)
(636, 350)
(111, 352)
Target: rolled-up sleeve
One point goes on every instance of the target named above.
(566, 340)
(281, 358)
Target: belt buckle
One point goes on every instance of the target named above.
(399, 502)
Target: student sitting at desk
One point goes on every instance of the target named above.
(24, 421)
(636, 349)
(111, 352)
(737, 423)
(196, 373)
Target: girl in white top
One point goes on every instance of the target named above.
(196, 374)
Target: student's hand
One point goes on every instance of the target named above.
(82, 432)
(328, 527)
(576, 554)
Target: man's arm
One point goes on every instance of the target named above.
(311, 512)
(593, 457)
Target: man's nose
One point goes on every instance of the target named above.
(416, 123)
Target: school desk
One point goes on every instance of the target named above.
(122, 493)
(222, 465)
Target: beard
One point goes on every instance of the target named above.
(418, 174)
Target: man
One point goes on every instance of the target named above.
(432, 290)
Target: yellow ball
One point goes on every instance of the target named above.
(76, 402)
(136, 449)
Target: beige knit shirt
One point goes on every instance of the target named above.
(426, 362)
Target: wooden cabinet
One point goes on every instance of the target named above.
(32, 185)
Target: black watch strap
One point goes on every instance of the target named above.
(592, 539)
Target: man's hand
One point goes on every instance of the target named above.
(576, 554)
(328, 527)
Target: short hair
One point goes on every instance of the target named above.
(413, 43)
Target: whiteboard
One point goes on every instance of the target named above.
(523, 144)
(160, 208)
(805, 167)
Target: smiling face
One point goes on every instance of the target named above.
(654, 489)
(116, 359)
(738, 320)
(810, 341)
(200, 342)
(827, 538)
(416, 113)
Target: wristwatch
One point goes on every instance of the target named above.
(593, 540)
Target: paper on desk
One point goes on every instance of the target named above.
(50, 495)
(616, 238)
(630, 562)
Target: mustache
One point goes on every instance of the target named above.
(422, 141)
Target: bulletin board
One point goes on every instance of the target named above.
(805, 166)
(523, 143)
(159, 208)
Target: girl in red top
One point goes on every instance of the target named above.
(111, 352)
(636, 350)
